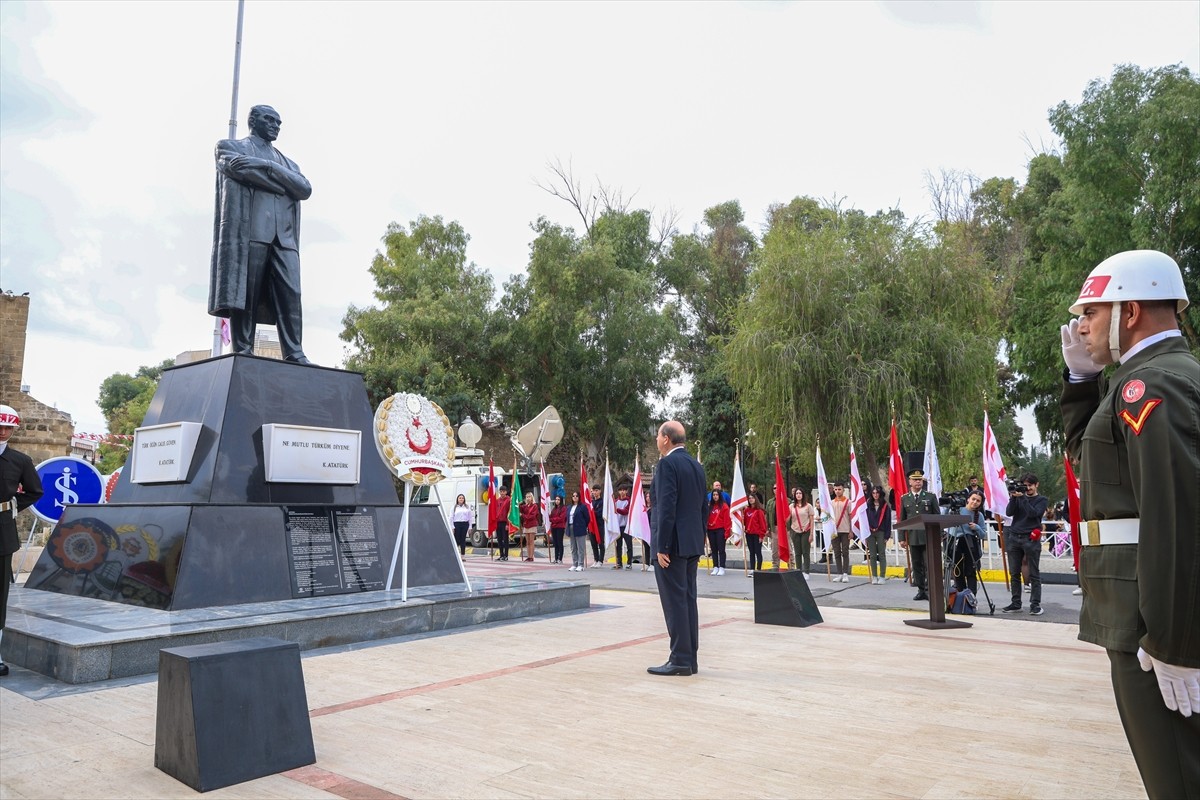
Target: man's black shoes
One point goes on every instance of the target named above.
(1011, 608)
(921, 595)
(669, 669)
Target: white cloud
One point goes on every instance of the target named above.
(111, 111)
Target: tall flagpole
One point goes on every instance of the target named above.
(237, 71)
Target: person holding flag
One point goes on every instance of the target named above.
(595, 503)
(756, 529)
(718, 531)
(498, 512)
(828, 529)
(638, 525)
(859, 524)
(841, 539)
(801, 516)
(620, 511)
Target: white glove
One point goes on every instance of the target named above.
(1075, 353)
(1180, 686)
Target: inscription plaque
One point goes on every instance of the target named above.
(333, 550)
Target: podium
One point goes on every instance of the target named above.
(933, 525)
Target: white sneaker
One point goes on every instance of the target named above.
(845, 578)
(712, 571)
(1077, 591)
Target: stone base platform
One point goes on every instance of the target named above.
(83, 640)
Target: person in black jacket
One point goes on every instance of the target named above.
(20, 488)
(1023, 540)
(879, 521)
(598, 545)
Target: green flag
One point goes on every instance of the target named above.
(514, 511)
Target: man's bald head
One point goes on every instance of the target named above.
(673, 430)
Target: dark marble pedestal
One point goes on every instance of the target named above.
(226, 535)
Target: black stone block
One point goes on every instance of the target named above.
(231, 712)
(783, 598)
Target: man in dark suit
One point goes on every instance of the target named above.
(679, 508)
(19, 489)
(256, 237)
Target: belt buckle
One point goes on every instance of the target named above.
(1093, 531)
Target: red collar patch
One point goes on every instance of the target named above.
(1135, 423)
(1133, 391)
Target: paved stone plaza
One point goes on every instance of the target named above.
(561, 706)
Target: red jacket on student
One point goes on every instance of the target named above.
(718, 517)
(756, 522)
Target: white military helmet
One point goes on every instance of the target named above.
(9, 418)
(1133, 275)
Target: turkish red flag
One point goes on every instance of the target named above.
(585, 493)
(781, 516)
(493, 506)
(1074, 516)
(896, 478)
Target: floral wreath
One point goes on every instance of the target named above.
(414, 438)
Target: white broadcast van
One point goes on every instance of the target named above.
(468, 476)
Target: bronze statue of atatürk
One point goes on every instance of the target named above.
(256, 237)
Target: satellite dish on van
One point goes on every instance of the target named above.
(540, 435)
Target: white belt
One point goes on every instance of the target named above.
(1109, 531)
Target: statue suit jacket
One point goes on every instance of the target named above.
(679, 505)
(253, 204)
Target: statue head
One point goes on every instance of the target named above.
(264, 121)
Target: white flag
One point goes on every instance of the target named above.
(995, 479)
(639, 521)
(544, 500)
(737, 504)
(933, 470)
(827, 523)
(612, 525)
(859, 525)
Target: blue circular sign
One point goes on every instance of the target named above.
(66, 481)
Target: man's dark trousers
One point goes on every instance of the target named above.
(677, 592)
(1165, 743)
(919, 572)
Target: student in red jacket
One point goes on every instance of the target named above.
(718, 529)
(531, 515)
(756, 529)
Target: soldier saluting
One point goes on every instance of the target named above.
(20, 488)
(1137, 439)
(917, 500)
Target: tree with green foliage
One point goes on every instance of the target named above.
(124, 400)
(708, 271)
(1126, 179)
(587, 331)
(428, 335)
(850, 315)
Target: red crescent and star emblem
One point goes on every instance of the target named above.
(1133, 391)
(421, 449)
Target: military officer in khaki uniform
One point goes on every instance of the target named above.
(917, 501)
(1136, 439)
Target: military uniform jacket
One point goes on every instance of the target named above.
(1138, 447)
(912, 505)
(16, 469)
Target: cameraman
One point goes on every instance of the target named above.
(1023, 539)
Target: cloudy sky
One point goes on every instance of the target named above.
(109, 112)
